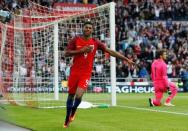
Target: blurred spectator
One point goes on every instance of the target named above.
(47, 3)
(184, 77)
(5, 16)
(169, 69)
(143, 73)
(62, 67)
(67, 71)
(99, 68)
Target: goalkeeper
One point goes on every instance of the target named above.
(160, 81)
(83, 49)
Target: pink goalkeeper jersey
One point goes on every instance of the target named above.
(159, 73)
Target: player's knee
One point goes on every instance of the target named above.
(71, 96)
(79, 96)
(157, 102)
(176, 90)
(79, 93)
(172, 85)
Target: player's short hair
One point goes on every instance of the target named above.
(87, 21)
(159, 53)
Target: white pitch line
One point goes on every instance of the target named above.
(146, 109)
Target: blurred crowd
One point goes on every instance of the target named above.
(130, 9)
(142, 28)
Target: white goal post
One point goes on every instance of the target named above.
(34, 69)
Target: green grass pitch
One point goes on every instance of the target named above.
(132, 113)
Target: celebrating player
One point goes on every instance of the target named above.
(83, 49)
(160, 81)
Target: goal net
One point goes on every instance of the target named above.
(34, 70)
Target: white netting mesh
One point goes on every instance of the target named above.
(27, 56)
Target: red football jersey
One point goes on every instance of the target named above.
(83, 63)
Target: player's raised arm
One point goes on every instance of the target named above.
(118, 55)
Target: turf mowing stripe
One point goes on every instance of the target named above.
(146, 109)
